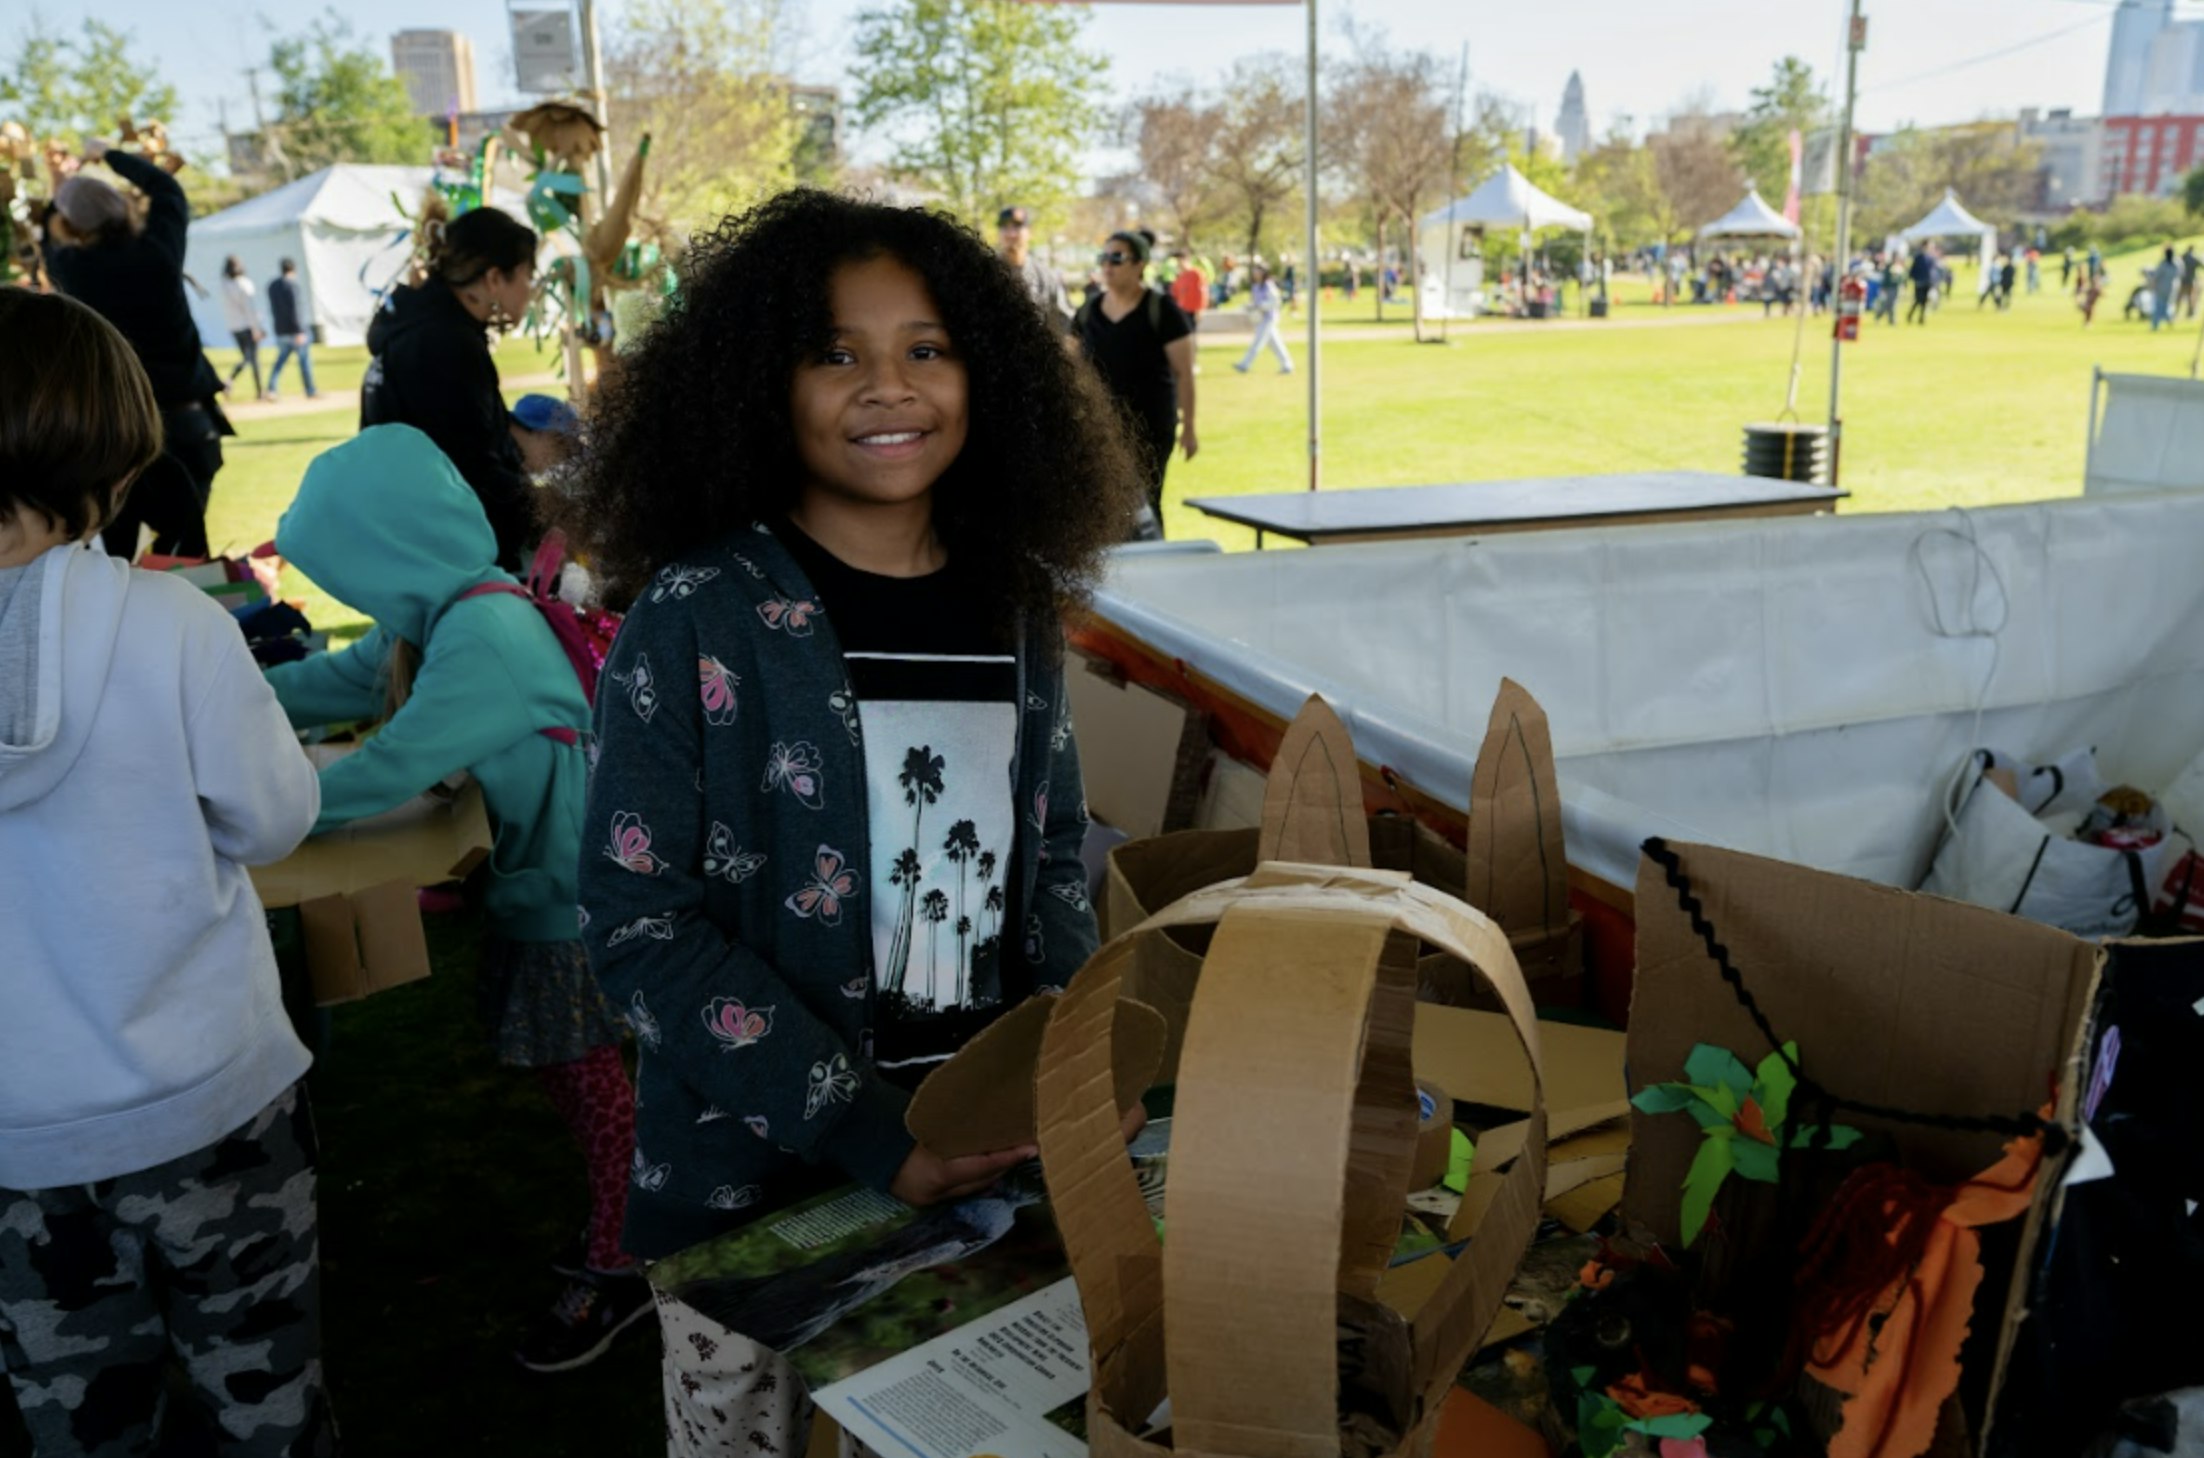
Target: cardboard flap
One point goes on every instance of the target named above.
(1517, 874)
(1265, 1115)
(1110, 1242)
(1312, 804)
(427, 841)
(1895, 999)
(981, 1100)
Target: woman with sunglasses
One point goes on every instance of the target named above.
(1141, 343)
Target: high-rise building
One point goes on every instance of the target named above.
(437, 67)
(1574, 126)
(2155, 66)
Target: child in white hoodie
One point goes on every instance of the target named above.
(156, 1154)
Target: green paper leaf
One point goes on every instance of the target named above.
(1709, 1167)
(1841, 1136)
(1723, 1099)
(1710, 1118)
(1598, 1424)
(1461, 1155)
(1754, 1160)
(1711, 1065)
(1672, 1425)
(1582, 1376)
(1773, 1085)
(1782, 1421)
(1663, 1098)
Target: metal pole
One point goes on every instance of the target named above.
(1311, 273)
(1855, 40)
(600, 101)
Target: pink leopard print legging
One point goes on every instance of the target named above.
(594, 1097)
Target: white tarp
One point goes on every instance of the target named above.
(1751, 218)
(1777, 686)
(2146, 433)
(1509, 199)
(347, 228)
(1950, 219)
(1449, 260)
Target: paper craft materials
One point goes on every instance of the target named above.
(1435, 1134)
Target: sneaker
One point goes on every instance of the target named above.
(588, 1317)
(572, 1259)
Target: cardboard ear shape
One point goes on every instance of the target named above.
(1293, 1138)
(981, 1100)
(1517, 870)
(1312, 804)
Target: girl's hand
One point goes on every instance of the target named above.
(928, 1179)
(1187, 443)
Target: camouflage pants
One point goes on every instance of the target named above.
(210, 1259)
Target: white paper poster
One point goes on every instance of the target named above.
(984, 1390)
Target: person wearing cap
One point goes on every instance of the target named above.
(1142, 345)
(131, 272)
(1014, 235)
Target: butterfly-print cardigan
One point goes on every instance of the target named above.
(725, 891)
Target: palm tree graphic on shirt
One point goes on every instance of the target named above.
(962, 846)
(921, 779)
(937, 912)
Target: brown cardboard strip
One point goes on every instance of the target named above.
(1581, 1209)
(981, 1100)
(1473, 1056)
(1517, 872)
(1498, 1147)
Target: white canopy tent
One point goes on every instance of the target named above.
(1450, 262)
(1950, 219)
(348, 229)
(1751, 218)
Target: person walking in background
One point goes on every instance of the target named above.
(2035, 271)
(1142, 345)
(2189, 265)
(158, 1228)
(289, 310)
(1189, 288)
(131, 272)
(431, 366)
(2066, 268)
(1889, 283)
(2165, 277)
(241, 314)
(1923, 273)
(2089, 288)
(2005, 277)
(1262, 304)
(1044, 285)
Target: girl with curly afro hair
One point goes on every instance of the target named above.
(846, 488)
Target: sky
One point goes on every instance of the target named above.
(1927, 61)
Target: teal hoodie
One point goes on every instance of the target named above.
(384, 524)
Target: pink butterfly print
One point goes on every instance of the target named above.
(734, 1025)
(792, 618)
(831, 884)
(642, 689)
(796, 769)
(1040, 808)
(718, 688)
(756, 1124)
(631, 845)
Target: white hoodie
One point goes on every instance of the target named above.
(140, 1013)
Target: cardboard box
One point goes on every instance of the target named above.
(1895, 999)
(1294, 1133)
(356, 888)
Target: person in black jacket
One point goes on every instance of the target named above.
(132, 273)
(288, 307)
(432, 368)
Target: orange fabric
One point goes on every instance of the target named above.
(1900, 1371)
(1470, 1427)
(1190, 291)
(1641, 1400)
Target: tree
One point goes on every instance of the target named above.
(1389, 135)
(1259, 155)
(1174, 139)
(337, 101)
(699, 77)
(1761, 146)
(65, 88)
(1996, 174)
(2192, 192)
(991, 102)
(1619, 181)
(1694, 170)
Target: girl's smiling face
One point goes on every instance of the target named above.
(880, 413)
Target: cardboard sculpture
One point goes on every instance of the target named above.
(1894, 999)
(1313, 811)
(981, 1099)
(1294, 1133)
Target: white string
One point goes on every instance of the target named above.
(1966, 624)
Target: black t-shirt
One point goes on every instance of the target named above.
(937, 701)
(1130, 351)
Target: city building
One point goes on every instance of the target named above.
(437, 67)
(2155, 66)
(2150, 154)
(2072, 151)
(1573, 128)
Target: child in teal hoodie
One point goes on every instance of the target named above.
(467, 677)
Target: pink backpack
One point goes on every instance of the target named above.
(586, 636)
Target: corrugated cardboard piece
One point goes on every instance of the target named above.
(1293, 1135)
(981, 1100)
(355, 887)
(1517, 870)
(1895, 999)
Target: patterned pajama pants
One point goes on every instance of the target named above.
(211, 1259)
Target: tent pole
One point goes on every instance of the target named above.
(1310, 270)
(1854, 40)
